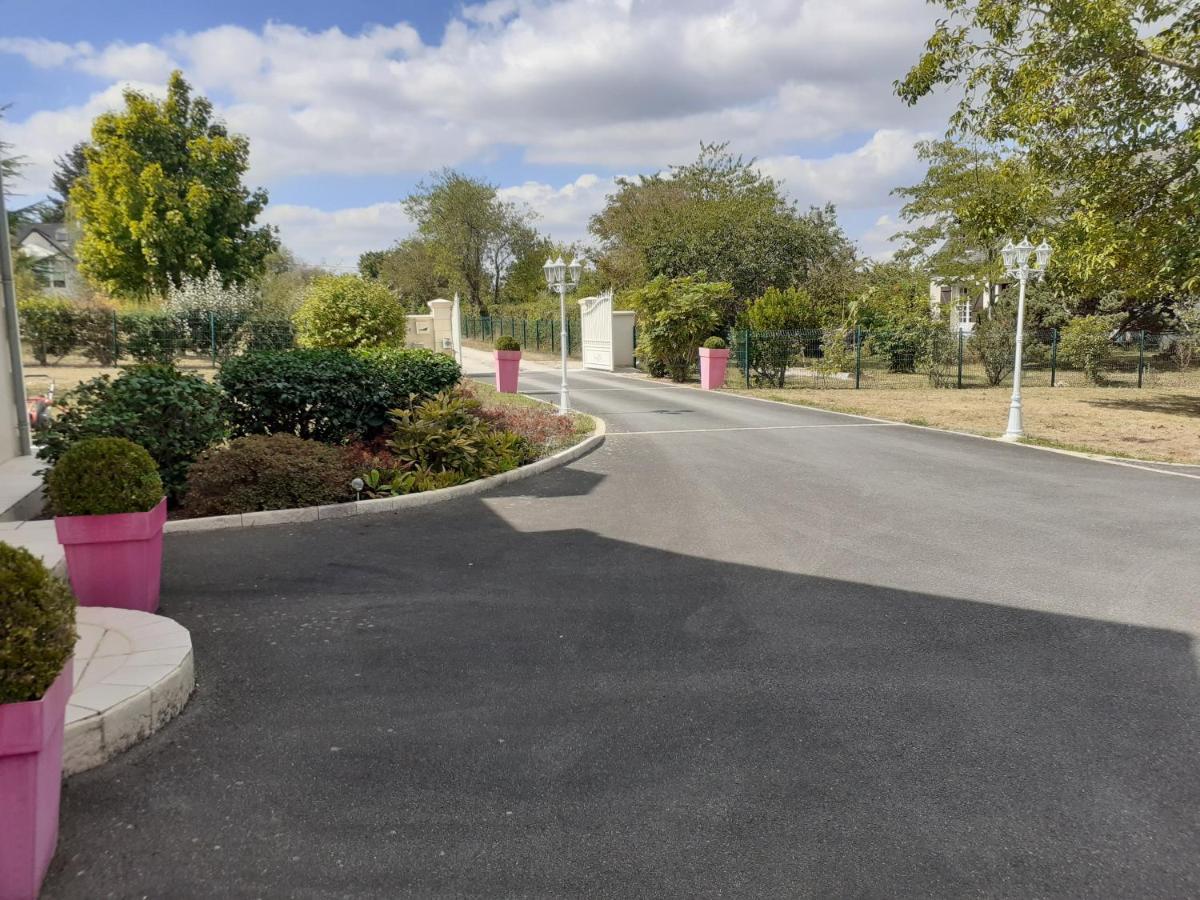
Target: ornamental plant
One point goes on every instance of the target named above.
(1086, 344)
(37, 626)
(261, 472)
(715, 343)
(173, 415)
(674, 316)
(444, 439)
(100, 476)
(328, 394)
(348, 312)
(507, 342)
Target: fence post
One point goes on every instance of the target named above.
(212, 335)
(857, 356)
(960, 349)
(746, 355)
(1141, 355)
(525, 333)
(116, 354)
(568, 327)
(1053, 355)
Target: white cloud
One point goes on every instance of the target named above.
(336, 238)
(587, 83)
(563, 211)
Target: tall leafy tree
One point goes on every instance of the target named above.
(1104, 97)
(413, 269)
(68, 169)
(718, 214)
(163, 197)
(460, 218)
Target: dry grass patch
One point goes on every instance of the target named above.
(1151, 423)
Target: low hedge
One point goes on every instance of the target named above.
(172, 414)
(37, 626)
(261, 472)
(99, 476)
(328, 395)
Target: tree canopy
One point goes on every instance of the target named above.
(1103, 98)
(718, 214)
(163, 197)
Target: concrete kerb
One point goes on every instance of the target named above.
(390, 504)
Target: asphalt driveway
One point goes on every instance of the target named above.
(740, 650)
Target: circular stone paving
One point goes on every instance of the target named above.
(133, 673)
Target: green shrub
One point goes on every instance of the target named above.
(344, 311)
(674, 316)
(48, 326)
(99, 476)
(173, 415)
(715, 343)
(329, 395)
(993, 343)
(444, 438)
(507, 342)
(37, 626)
(1086, 344)
(153, 337)
(97, 334)
(278, 471)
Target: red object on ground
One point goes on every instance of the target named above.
(508, 366)
(115, 560)
(712, 367)
(31, 753)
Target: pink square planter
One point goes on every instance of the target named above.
(712, 367)
(115, 560)
(508, 367)
(31, 753)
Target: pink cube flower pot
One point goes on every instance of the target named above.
(508, 366)
(712, 367)
(115, 560)
(31, 753)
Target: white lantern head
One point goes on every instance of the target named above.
(548, 271)
(575, 269)
(1008, 252)
(1043, 254)
(1023, 250)
(560, 271)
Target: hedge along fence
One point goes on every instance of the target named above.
(53, 329)
(534, 334)
(937, 357)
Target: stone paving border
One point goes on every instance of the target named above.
(133, 674)
(390, 504)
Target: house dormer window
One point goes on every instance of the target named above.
(61, 234)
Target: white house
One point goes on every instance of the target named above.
(50, 246)
(965, 301)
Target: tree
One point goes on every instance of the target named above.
(1104, 98)
(413, 270)
(674, 316)
(163, 197)
(513, 238)
(460, 218)
(971, 200)
(348, 312)
(721, 215)
(68, 169)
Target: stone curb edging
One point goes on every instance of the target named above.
(390, 504)
(134, 673)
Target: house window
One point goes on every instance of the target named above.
(60, 235)
(964, 313)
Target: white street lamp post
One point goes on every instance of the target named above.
(1016, 264)
(562, 278)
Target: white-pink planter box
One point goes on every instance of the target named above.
(31, 753)
(508, 368)
(115, 560)
(713, 364)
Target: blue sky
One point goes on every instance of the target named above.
(347, 105)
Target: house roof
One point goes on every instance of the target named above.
(49, 233)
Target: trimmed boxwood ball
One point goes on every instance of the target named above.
(37, 626)
(261, 472)
(715, 343)
(99, 476)
(507, 342)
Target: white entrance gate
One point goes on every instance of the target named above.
(596, 332)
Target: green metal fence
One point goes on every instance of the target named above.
(104, 337)
(919, 358)
(534, 334)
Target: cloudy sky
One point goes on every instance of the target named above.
(348, 104)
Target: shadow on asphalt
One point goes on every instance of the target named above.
(437, 704)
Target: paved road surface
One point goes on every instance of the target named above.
(740, 650)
